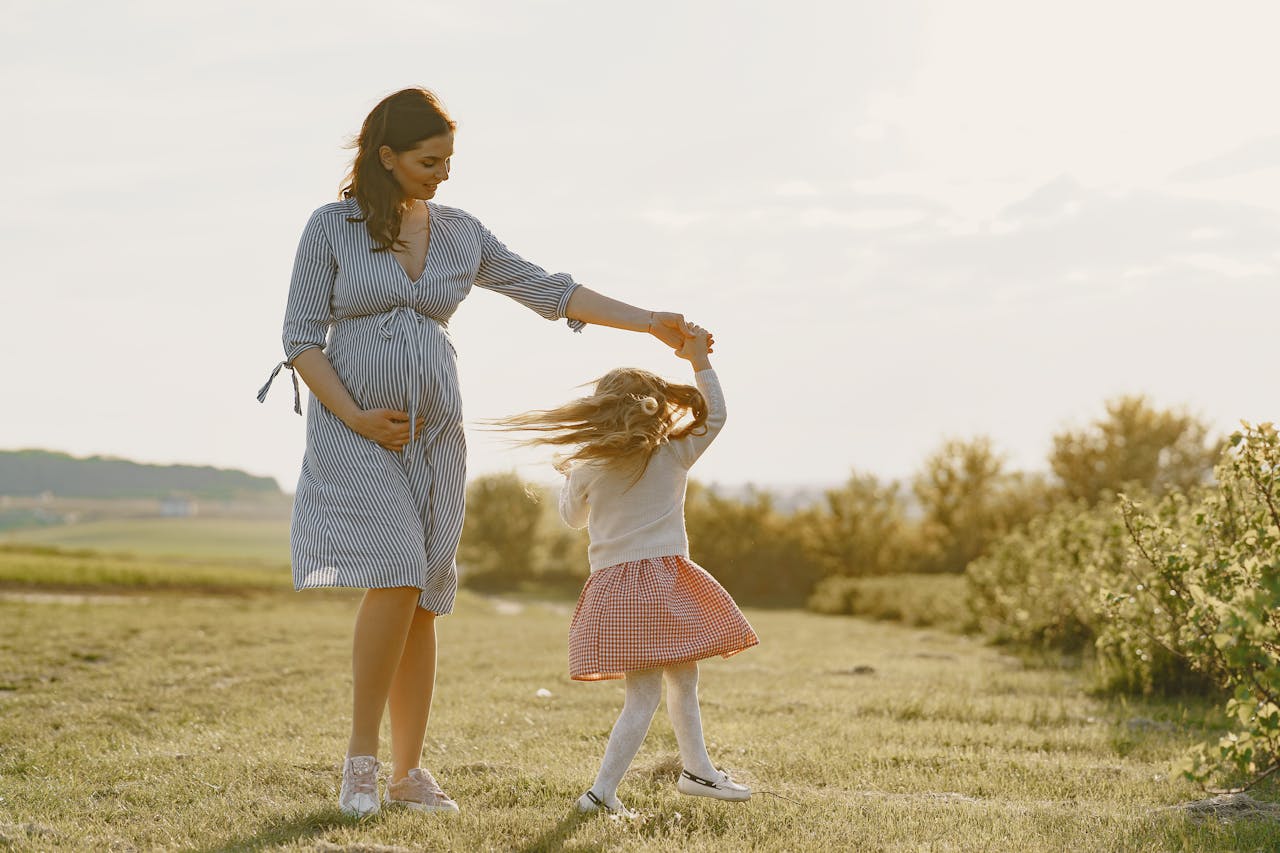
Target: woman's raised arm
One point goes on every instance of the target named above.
(600, 310)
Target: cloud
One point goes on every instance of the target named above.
(1060, 230)
(1253, 156)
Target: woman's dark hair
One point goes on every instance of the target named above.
(399, 121)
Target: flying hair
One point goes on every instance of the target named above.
(631, 413)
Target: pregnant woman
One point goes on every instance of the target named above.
(379, 501)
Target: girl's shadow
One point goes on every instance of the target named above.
(554, 838)
(284, 831)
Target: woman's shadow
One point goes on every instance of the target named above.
(322, 820)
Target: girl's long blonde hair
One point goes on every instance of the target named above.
(630, 415)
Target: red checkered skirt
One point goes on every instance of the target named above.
(652, 613)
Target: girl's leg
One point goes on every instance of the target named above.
(410, 696)
(644, 692)
(686, 719)
(382, 625)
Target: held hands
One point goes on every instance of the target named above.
(673, 330)
(696, 347)
(386, 427)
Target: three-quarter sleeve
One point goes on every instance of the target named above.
(689, 448)
(574, 506)
(504, 271)
(308, 311)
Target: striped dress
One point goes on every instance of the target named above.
(364, 516)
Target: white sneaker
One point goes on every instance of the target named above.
(359, 794)
(719, 788)
(589, 802)
(421, 792)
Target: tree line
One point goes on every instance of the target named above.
(961, 501)
(1146, 545)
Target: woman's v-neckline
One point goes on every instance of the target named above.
(426, 255)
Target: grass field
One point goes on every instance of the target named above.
(200, 722)
(260, 540)
(46, 567)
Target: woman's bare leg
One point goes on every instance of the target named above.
(382, 626)
(410, 697)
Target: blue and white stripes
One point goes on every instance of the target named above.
(364, 516)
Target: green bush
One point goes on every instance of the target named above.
(751, 548)
(513, 538)
(1208, 591)
(1041, 587)
(1052, 587)
(1134, 446)
(834, 596)
(500, 543)
(968, 503)
(859, 528)
(914, 599)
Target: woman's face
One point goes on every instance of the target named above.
(420, 169)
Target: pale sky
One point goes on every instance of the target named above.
(904, 221)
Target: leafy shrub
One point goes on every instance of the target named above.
(859, 528)
(500, 543)
(834, 596)
(914, 599)
(751, 548)
(1211, 571)
(1135, 446)
(968, 503)
(1041, 587)
(1053, 587)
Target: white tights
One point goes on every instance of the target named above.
(644, 691)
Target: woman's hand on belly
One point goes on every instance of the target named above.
(386, 427)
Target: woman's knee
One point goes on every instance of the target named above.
(400, 598)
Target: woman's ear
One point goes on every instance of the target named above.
(387, 157)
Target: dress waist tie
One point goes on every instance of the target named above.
(408, 320)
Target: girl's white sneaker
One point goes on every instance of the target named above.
(589, 802)
(359, 794)
(720, 788)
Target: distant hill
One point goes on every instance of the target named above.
(34, 472)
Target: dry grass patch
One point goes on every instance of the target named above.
(217, 723)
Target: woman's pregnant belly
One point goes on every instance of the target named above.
(399, 360)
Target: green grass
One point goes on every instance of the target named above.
(262, 540)
(44, 567)
(161, 721)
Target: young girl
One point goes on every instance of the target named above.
(647, 611)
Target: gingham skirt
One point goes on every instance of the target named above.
(652, 613)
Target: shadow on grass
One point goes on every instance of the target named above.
(284, 831)
(554, 838)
